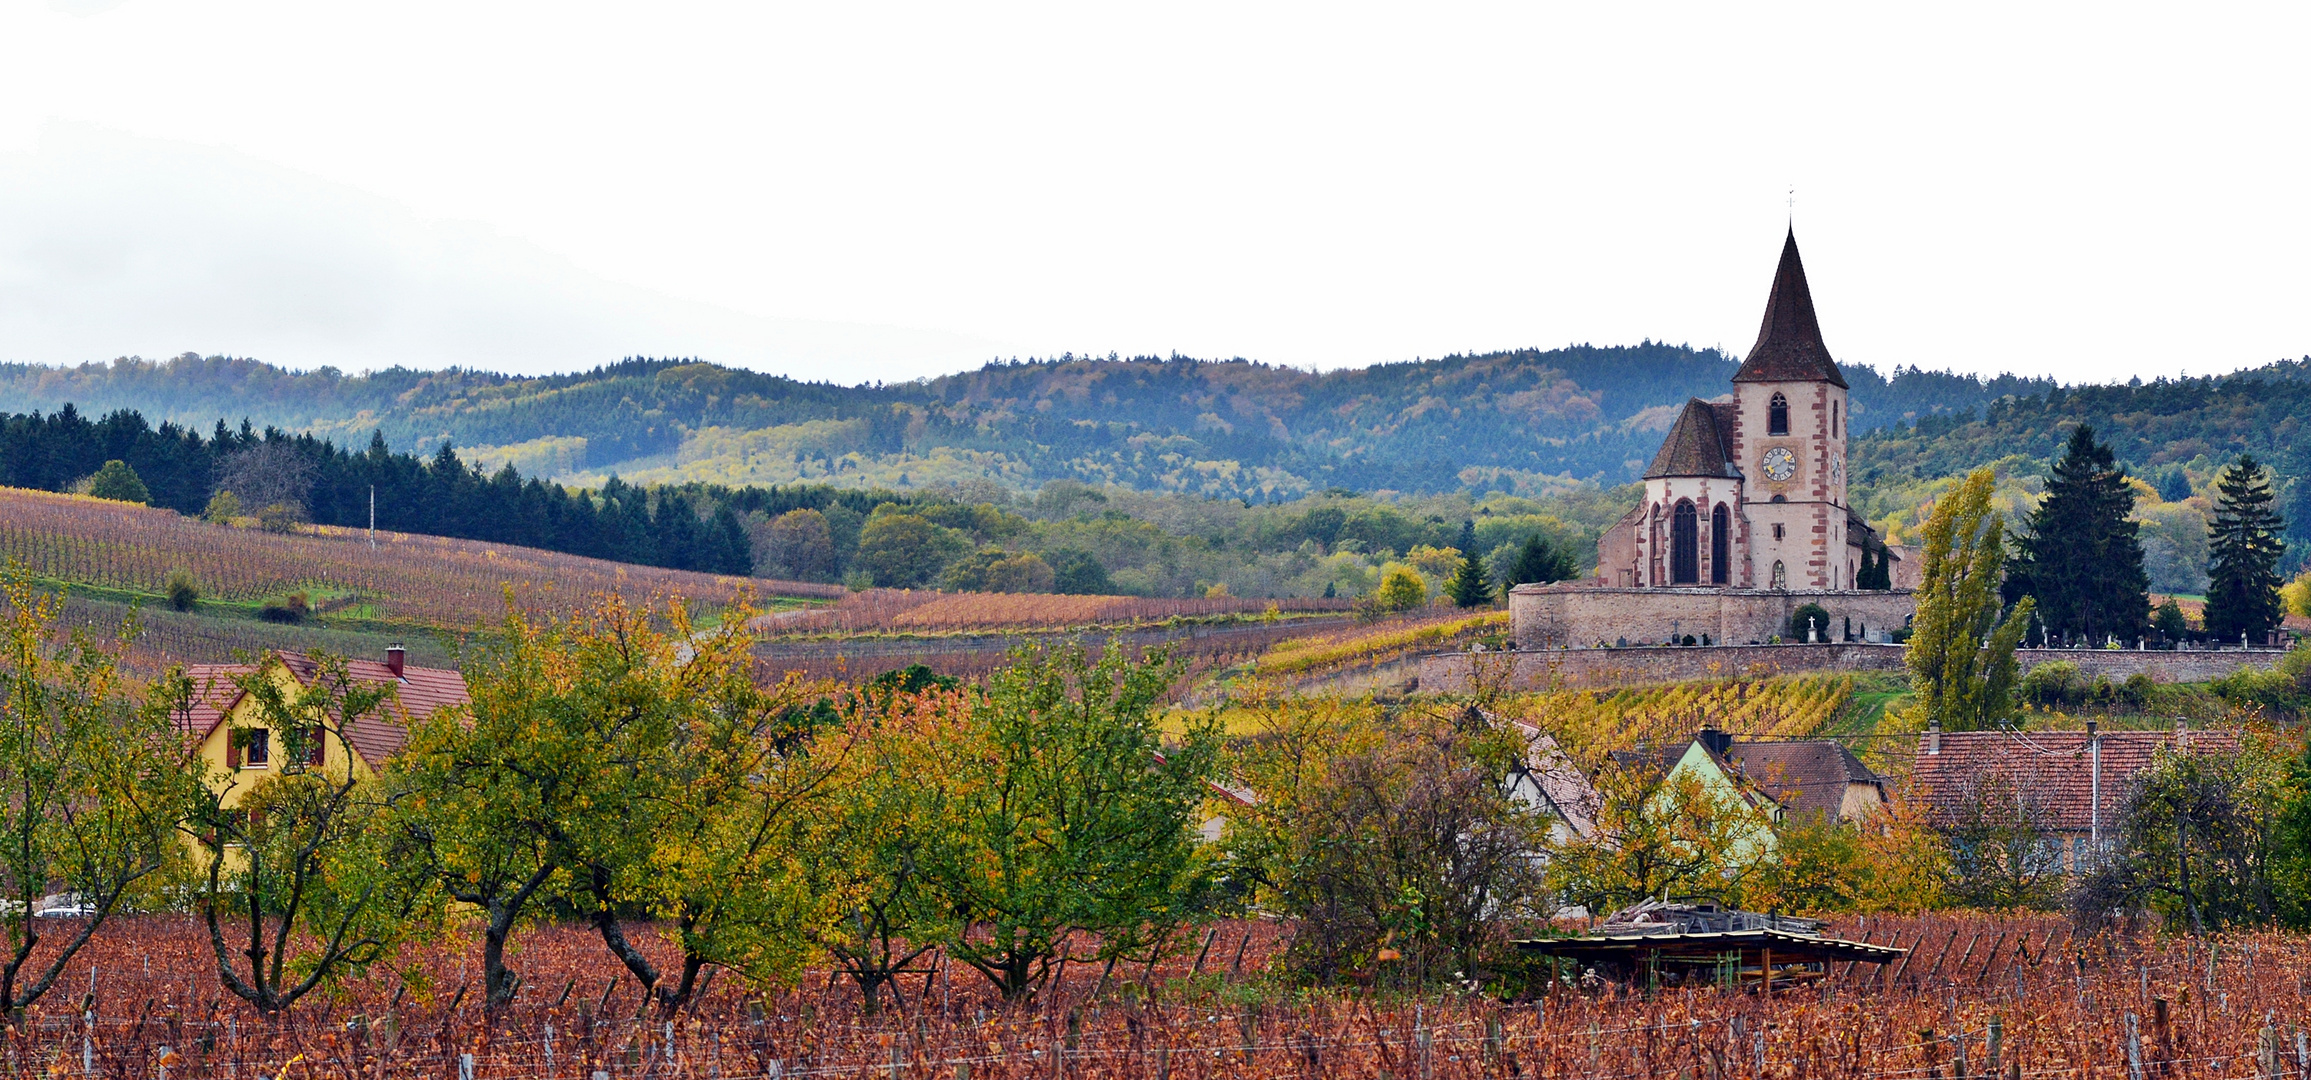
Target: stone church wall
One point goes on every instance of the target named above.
(1582, 616)
(1573, 668)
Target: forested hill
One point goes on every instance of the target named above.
(1501, 421)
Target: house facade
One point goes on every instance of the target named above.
(233, 763)
(2068, 785)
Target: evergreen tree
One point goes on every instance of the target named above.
(2082, 561)
(1540, 562)
(2243, 549)
(1468, 587)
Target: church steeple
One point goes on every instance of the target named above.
(1789, 345)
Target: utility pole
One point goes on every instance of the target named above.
(2094, 797)
(372, 517)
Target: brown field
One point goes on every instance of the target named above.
(2063, 1006)
(425, 580)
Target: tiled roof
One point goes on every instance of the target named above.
(1789, 345)
(2052, 768)
(418, 693)
(1807, 776)
(1700, 444)
(1561, 782)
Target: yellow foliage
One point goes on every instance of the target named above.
(1372, 644)
(1588, 722)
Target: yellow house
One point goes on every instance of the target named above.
(219, 706)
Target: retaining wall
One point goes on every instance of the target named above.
(1455, 672)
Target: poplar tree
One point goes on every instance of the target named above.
(2082, 561)
(1961, 656)
(2243, 554)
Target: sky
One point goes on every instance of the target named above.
(860, 192)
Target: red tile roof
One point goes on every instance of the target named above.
(418, 693)
(2053, 768)
(1789, 345)
(1809, 776)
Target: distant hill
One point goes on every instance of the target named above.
(1520, 421)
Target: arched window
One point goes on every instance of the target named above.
(1685, 545)
(1780, 577)
(1777, 416)
(1720, 543)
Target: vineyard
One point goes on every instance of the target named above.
(1591, 722)
(1975, 996)
(425, 580)
(1377, 643)
(929, 611)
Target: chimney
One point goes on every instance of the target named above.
(396, 658)
(1717, 741)
(1934, 736)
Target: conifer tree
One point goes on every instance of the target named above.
(2082, 561)
(1468, 587)
(1540, 562)
(2243, 548)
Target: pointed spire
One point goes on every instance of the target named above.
(1789, 346)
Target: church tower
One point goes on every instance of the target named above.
(1789, 442)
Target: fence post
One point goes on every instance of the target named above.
(2133, 1049)
(465, 1067)
(1994, 1045)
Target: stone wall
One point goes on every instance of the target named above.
(1544, 616)
(1532, 670)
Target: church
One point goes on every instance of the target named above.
(1745, 517)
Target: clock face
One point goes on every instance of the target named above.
(1780, 464)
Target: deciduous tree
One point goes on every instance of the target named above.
(1961, 656)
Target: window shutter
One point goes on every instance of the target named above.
(317, 753)
(232, 749)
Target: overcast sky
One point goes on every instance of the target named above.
(854, 192)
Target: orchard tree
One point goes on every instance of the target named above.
(95, 784)
(305, 881)
(1961, 656)
(1073, 822)
(2244, 546)
(118, 482)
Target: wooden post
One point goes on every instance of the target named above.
(1765, 968)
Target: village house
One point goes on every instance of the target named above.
(220, 706)
(2068, 785)
(1775, 778)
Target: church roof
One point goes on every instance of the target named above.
(1699, 444)
(1789, 346)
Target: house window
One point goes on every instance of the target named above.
(258, 751)
(1720, 543)
(1685, 545)
(1777, 530)
(1777, 416)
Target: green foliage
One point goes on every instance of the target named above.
(1078, 572)
(184, 594)
(2169, 621)
(1960, 656)
(997, 570)
(1392, 845)
(1401, 589)
(97, 782)
(901, 550)
(293, 608)
(280, 518)
(2060, 685)
(799, 545)
(1469, 586)
(2081, 560)
(2281, 692)
(2244, 546)
(1073, 822)
(1810, 622)
(305, 881)
(1675, 837)
(223, 507)
(2194, 841)
(1540, 561)
(118, 482)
